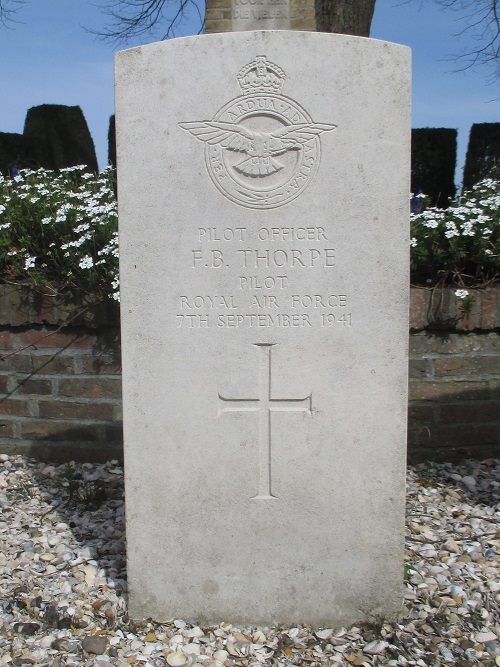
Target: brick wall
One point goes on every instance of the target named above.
(454, 376)
(60, 387)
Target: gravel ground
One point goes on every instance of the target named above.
(63, 590)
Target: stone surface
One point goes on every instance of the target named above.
(267, 15)
(241, 15)
(264, 203)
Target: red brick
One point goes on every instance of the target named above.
(456, 366)
(487, 342)
(421, 413)
(39, 339)
(13, 406)
(91, 387)
(73, 410)
(473, 412)
(106, 365)
(53, 363)
(6, 429)
(45, 309)
(464, 435)
(15, 305)
(26, 362)
(50, 430)
(113, 433)
(435, 343)
(418, 307)
(5, 340)
(490, 308)
(412, 438)
(20, 363)
(34, 386)
(437, 391)
(441, 311)
(418, 368)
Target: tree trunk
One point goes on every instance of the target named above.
(350, 17)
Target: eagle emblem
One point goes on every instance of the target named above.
(262, 149)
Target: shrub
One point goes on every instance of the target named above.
(433, 159)
(460, 245)
(483, 153)
(60, 137)
(59, 231)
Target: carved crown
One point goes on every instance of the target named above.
(261, 76)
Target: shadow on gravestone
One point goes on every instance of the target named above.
(60, 137)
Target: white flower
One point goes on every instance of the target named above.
(86, 263)
(68, 170)
(5, 225)
(46, 221)
(413, 242)
(468, 228)
(461, 293)
(2, 209)
(29, 263)
(82, 228)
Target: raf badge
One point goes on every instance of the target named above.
(262, 149)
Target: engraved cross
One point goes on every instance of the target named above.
(265, 405)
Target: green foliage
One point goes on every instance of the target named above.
(74, 488)
(433, 160)
(59, 231)
(459, 246)
(483, 153)
(60, 137)
(15, 152)
(112, 142)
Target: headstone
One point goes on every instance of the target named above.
(263, 194)
(241, 15)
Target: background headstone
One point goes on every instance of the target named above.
(241, 15)
(264, 203)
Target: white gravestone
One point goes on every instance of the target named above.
(263, 203)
